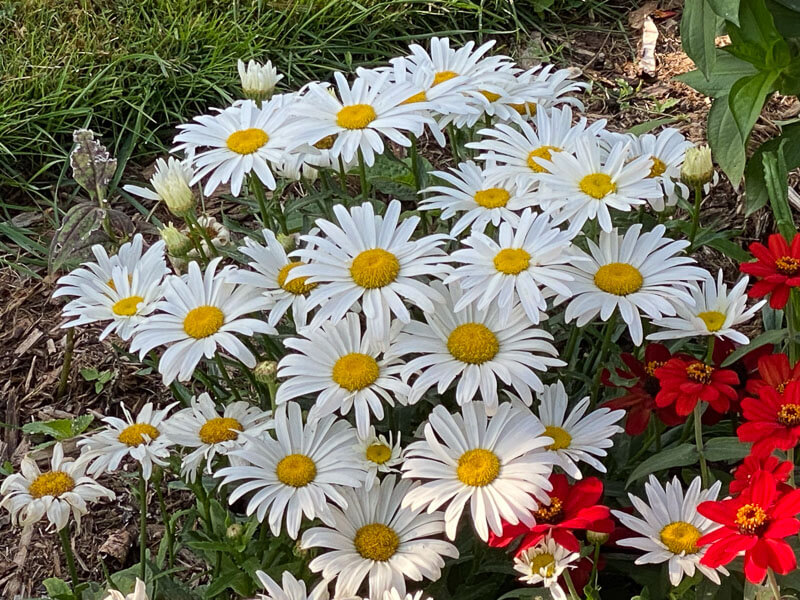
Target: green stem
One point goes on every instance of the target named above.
(142, 526)
(792, 314)
(573, 339)
(191, 219)
(698, 440)
(710, 350)
(611, 325)
(453, 138)
(773, 584)
(227, 377)
(64, 377)
(258, 191)
(595, 573)
(162, 505)
(698, 198)
(573, 594)
(67, 546)
(342, 176)
(790, 458)
(362, 173)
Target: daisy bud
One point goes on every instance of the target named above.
(178, 243)
(266, 371)
(258, 81)
(288, 242)
(171, 183)
(233, 531)
(596, 538)
(697, 167)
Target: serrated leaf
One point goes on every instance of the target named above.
(727, 144)
(768, 337)
(725, 449)
(679, 456)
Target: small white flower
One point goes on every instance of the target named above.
(378, 454)
(258, 80)
(291, 588)
(543, 564)
(139, 593)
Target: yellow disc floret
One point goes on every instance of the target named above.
(376, 541)
(543, 152)
(597, 185)
(751, 519)
(561, 438)
(247, 141)
(472, 343)
(355, 371)
(52, 483)
(137, 434)
(478, 467)
(680, 537)
(492, 198)
(713, 319)
(374, 268)
(127, 306)
(619, 279)
(296, 470)
(443, 76)
(203, 321)
(355, 116)
(296, 286)
(512, 261)
(379, 453)
(220, 429)
(658, 168)
(543, 564)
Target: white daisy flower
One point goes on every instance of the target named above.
(345, 369)
(139, 592)
(297, 474)
(559, 84)
(476, 347)
(367, 112)
(543, 564)
(577, 436)
(467, 189)
(372, 260)
(377, 538)
(57, 493)
(670, 527)
(290, 588)
(258, 80)
(498, 464)
(242, 139)
(378, 454)
(637, 271)
(172, 184)
(198, 314)
(666, 151)
(584, 186)
(201, 427)
(524, 266)
(272, 267)
(128, 257)
(393, 594)
(715, 311)
(125, 302)
(522, 151)
(143, 438)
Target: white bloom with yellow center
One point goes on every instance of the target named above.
(523, 266)
(361, 117)
(139, 592)
(583, 186)
(300, 473)
(378, 538)
(378, 454)
(476, 347)
(670, 526)
(143, 438)
(468, 190)
(199, 314)
(637, 271)
(344, 370)
(270, 275)
(498, 464)
(201, 427)
(522, 151)
(372, 260)
(62, 490)
(578, 436)
(239, 140)
(559, 84)
(543, 564)
(258, 80)
(290, 588)
(715, 311)
(172, 184)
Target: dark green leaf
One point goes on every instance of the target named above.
(776, 177)
(727, 9)
(726, 142)
(757, 195)
(648, 126)
(756, 25)
(727, 70)
(698, 30)
(725, 448)
(679, 456)
(730, 249)
(57, 589)
(747, 98)
(768, 337)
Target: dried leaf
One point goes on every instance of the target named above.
(647, 60)
(92, 165)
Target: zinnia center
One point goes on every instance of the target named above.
(374, 268)
(680, 537)
(543, 152)
(296, 286)
(220, 429)
(699, 372)
(512, 261)
(355, 371)
(247, 141)
(492, 198)
(597, 185)
(618, 278)
(127, 306)
(355, 116)
(379, 453)
(53, 483)
(376, 541)
(787, 265)
(751, 519)
(561, 438)
(134, 435)
(713, 319)
(551, 513)
(478, 467)
(203, 321)
(472, 343)
(789, 415)
(296, 470)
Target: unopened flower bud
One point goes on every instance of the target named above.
(288, 242)
(697, 169)
(258, 81)
(596, 538)
(171, 185)
(234, 531)
(178, 243)
(266, 371)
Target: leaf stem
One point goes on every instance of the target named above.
(142, 526)
(362, 173)
(773, 583)
(698, 440)
(66, 544)
(698, 198)
(611, 325)
(572, 592)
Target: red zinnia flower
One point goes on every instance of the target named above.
(773, 419)
(756, 523)
(744, 473)
(639, 397)
(684, 382)
(745, 367)
(775, 372)
(571, 507)
(777, 269)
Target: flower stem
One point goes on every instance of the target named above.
(142, 526)
(342, 176)
(698, 198)
(790, 458)
(573, 594)
(64, 377)
(191, 218)
(773, 583)
(698, 440)
(452, 136)
(362, 173)
(258, 191)
(162, 505)
(611, 325)
(67, 546)
(227, 377)
(792, 314)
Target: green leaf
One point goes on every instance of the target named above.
(747, 98)
(59, 429)
(757, 195)
(730, 249)
(224, 581)
(756, 25)
(81, 424)
(772, 336)
(776, 177)
(648, 126)
(727, 9)
(57, 589)
(725, 449)
(726, 142)
(679, 456)
(698, 30)
(727, 70)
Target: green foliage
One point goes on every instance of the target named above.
(59, 429)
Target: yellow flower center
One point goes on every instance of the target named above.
(134, 435)
(203, 321)
(550, 514)
(490, 96)
(478, 467)
(127, 306)
(443, 76)
(53, 483)
(781, 387)
(658, 168)
(787, 265)
(597, 185)
(512, 261)
(418, 97)
(543, 152)
(492, 198)
(619, 279)
(355, 116)
(379, 453)
(355, 371)
(325, 143)
(699, 373)
(561, 438)
(110, 282)
(713, 319)
(543, 564)
(473, 343)
(680, 537)
(247, 141)
(220, 429)
(296, 286)
(529, 108)
(376, 541)
(650, 367)
(789, 415)
(751, 519)
(374, 268)
(296, 470)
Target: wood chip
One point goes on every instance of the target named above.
(29, 341)
(647, 59)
